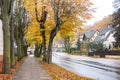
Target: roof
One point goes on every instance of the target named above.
(102, 35)
(90, 34)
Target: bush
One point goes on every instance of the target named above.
(90, 53)
(73, 50)
(93, 47)
(78, 44)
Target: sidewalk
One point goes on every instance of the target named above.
(31, 70)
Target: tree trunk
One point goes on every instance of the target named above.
(22, 48)
(42, 27)
(19, 49)
(13, 61)
(50, 50)
(40, 52)
(25, 49)
(44, 43)
(52, 35)
(67, 44)
(6, 39)
(12, 55)
(36, 52)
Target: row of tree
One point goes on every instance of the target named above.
(14, 21)
(49, 18)
(112, 20)
(39, 21)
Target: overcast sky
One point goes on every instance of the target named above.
(103, 8)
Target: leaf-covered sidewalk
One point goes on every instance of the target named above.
(31, 70)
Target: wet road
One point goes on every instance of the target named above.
(96, 68)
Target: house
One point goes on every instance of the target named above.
(90, 36)
(106, 36)
(1, 39)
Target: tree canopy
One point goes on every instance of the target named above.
(53, 16)
(116, 22)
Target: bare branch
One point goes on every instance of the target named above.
(44, 15)
(36, 12)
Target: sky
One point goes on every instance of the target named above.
(103, 9)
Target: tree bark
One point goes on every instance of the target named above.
(19, 49)
(40, 50)
(13, 61)
(37, 52)
(6, 38)
(25, 49)
(44, 42)
(52, 35)
(22, 47)
(50, 50)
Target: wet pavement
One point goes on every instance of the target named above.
(31, 70)
(96, 68)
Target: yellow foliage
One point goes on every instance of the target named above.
(33, 33)
(49, 24)
(68, 29)
(72, 15)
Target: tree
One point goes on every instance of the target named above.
(21, 21)
(116, 22)
(33, 36)
(67, 31)
(6, 10)
(41, 21)
(79, 44)
(38, 15)
(65, 10)
(99, 25)
(59, 12)
(12, 42)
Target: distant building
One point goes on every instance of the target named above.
(90, 36)
(58, 45)
(106, 36)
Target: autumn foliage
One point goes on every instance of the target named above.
(10, 76)
(72, 15)
(1, 59)
(58, 73)
(99, 25)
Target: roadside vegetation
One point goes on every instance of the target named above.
(58, 73)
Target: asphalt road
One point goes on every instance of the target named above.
(96, 68)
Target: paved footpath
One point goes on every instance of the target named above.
(31, 70)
